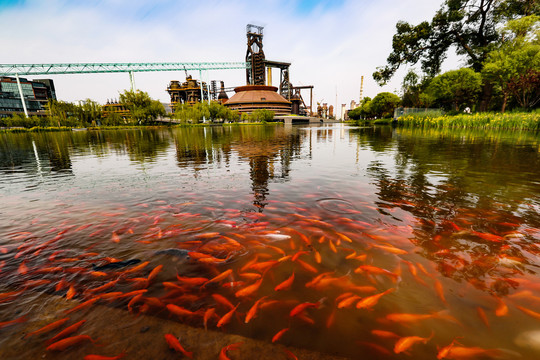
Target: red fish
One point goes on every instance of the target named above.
(252, 312)
(101, 357)
(174, 344)
(67, 342)
(67, 331)
(48, 327)
(249, 290)
(11, 322)
(285, 285)
(279, 334)
(222, 300)
(230, 347)
(301, 307)
(405, 343)
(370, 301)
(227, 317)
(219, 277)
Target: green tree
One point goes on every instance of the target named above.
(469, 26)
(88, 111)
(455, 88)
(513, 65)
(383, 104)
(143, 109)
(261, 115)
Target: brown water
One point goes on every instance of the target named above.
(444, 226)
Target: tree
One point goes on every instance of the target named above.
(455, 88)
(468, 25)
(141, 107)
(383, 104)
(88, 111)
(512, 66)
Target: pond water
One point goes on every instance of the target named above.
(365, 243)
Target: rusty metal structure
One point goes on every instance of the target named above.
(188, 92)
(255, 74)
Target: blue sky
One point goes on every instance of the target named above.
(330, 44)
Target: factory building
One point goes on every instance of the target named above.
(36, 94)
(188, 92)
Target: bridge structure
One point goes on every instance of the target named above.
(130, 68)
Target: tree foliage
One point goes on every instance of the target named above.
(142, 108)
(383, 105)
(513, 65)
(468, 25)
(456, 88)
(198, 112)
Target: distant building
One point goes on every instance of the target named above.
(188, 92)
(115, 107)
(36, 95)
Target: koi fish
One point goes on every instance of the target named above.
(249, 290)
(348, 301)
(207, 315)
(408, 318)
(384, 334)
(279, 334)
(83, 305)
(11, 322)
(227, 317)
(502, 309)
(529, 312)
(218, 278)
(230, 347)
(391, 249)
(370, 301)
(180, 311)
(154, 272)
(252, 312)
(463, 353)
(285, 285)
(48, 327)
(67, 331)
(405, 343)
(301, 307)
(375, 271)
(444, 351)
(67, 342)
(101, 357)
(222, 300)
(174, 344)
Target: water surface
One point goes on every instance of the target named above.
(381, 233)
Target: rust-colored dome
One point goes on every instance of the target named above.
(252, 97)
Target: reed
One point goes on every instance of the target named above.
(496, 121)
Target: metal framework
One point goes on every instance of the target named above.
(92, 68)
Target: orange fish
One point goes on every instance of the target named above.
(230, 347)
(444, 351)
(220, 277)
(464, 353)
(408, 318)
(482, 315)
(207, 315)
(375, 271)
(67, 342)
(529, 312)
(154, 272)
(48, 327)
(405, 343)
(391, 249)
(11, 322)
(252, 312)
(348, 301)
(227, 317)
(440, 291)
(83, 305)
(67, 331)
(249, 290)
(222, 300)
(285, 285)
(301, 307)
(279, 334)
(192, 281)
(502, 309)
(115, 238)
(174, 344)
(384, 334)
(370, 301)
(180, 311)
(101, 357)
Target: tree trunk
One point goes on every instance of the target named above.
(485, 98)
(505, 99)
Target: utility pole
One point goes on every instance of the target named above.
(21, 93)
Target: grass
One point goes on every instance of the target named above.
(495, 121)
(35, 129)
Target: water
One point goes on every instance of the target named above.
(442, 225)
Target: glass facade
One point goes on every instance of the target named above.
(36, 94)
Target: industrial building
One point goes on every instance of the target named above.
(36, 94)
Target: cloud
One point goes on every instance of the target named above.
(330, 44)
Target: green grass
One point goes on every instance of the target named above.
(496, 121)
(35, 129)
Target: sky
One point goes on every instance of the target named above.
(330, 44)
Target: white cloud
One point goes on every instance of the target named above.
(329, 47)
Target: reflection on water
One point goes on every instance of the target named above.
(381, 234)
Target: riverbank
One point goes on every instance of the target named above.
(495, 121)
(128, 127)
